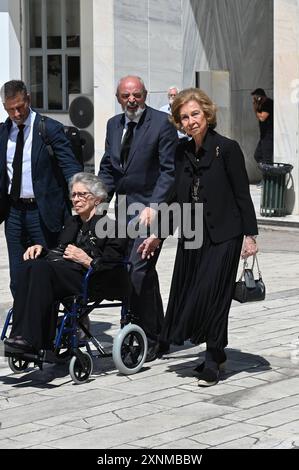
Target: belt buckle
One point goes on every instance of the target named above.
(27, 200)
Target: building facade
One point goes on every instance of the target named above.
(70, 49)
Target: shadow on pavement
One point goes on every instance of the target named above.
(237, 362)
(34, 377)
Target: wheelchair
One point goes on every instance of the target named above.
(129, 345)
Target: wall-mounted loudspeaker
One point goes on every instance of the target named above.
(81, 115)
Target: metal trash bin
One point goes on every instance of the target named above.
(274, 185)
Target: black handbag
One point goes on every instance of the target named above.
(247, 288)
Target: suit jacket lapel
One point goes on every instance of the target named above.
(5, 129)
(37, 143)
(4, 134)
(140, 131)
(116, 144)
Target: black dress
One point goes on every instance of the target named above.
(202, 285)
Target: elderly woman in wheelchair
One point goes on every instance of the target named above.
(48, 276)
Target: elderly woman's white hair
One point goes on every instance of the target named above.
(92, 182)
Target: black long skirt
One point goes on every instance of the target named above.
(201, 293)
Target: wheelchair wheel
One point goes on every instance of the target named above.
(81, 372)
(17, 364)
(129, 349)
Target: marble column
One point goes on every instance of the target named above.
(286, 92)
(104, 90)
(10, 51)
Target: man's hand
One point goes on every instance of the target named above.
(147, 216)
(32, 252)
(148, 247)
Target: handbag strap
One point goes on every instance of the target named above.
(245, 266)
(257, 265)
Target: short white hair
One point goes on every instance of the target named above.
(93, 183)
(174, 87)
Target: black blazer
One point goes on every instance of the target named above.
(224, 187)
(149, 173)
(48, 191)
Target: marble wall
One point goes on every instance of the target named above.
(10, 44)
(167, 41)
(234, 36)
(103, 72)
(148, 43)
(286, 92)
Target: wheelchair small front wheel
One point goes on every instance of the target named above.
(80, 370)
(17, 364)
(129, 349)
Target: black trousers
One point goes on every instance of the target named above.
(264, 150)
(146, 301)
(40, 284)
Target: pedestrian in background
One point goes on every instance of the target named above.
(263, 109)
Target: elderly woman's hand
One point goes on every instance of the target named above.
(32, 252)
(148, 247)
(249, 247)
(73, 253)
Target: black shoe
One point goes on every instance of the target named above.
(162, 348)
(151, 354)
(20, 343)
(12, 339)
(208, 377)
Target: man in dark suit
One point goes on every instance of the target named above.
(32, 198)
(139, 163)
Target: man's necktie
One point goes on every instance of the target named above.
(126, 143)
(17, 165)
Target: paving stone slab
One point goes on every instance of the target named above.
(129, 432)
(227, 434)
(263, 409)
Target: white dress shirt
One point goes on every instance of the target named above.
(26, 185)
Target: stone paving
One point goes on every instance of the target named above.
(255, 404)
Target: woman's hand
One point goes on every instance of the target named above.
(73, 253)
(148, 247)
(249, 247)
(32, 252)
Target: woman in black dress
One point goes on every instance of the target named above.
(48, 276)
(210, 169)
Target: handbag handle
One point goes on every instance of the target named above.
(245, 266)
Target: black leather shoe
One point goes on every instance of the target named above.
(20, 343)
(11, 340)
(208, 377)
(151, 354)
(162, 348)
